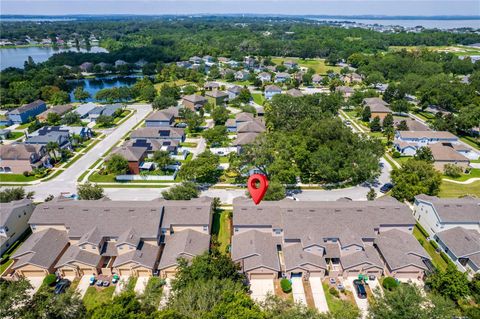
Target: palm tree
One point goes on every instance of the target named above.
(51, 148)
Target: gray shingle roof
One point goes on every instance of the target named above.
(75, 254)
(296, 257)
(195, 98)
(15, 208)
(130, 153)
(186, 243)
(400, 249)
(245, 138)
(427, 135)
(255, 126)
(257, 249)
(18, 151)
(146, 255)
(129, 237)
(163, 115)
(367, 256)
(158, 132)
(27, 107)
(41, 248)
(460, 241)
(195, 212)
(461, 210)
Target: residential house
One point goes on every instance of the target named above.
(412, 124)
(352, 78)
(424, 138)
(454, 223)
(233, 92)
(289, 64)
(160, 118)
(271, 90)
(462, 246)
(120, 63)
(107, 110)
(317, 79)
(378, 107)
(282, 77)
(86, 66)
(162, 133)
(75, 238)
(17, 158)
(437, 109)
(26, 112)
(247, 132)
(208, 59)
(83, 132)
(153, 145)
(249, 61)
(242, 75)
(133, 154)
(62, 138)
(59, 110)
(5, 133)
(14, 218)
(184, 64)
(194, 101)
(216, 97)
(195, 60)
(241, 117)
(346, 91)
(294, 92)
(445, 153)
(314, 239)
(264, 77)
(84, 109)
(209, 86)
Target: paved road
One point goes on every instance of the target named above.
(66, 181)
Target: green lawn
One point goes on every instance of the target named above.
(188, 144)
(448, 189)
(221, 227)
(437, 260)
(258, 98)
(223, 159)
(23, 126)
(15, 135)
(475, 143)
(317, 64)
(454, 49)
(16, 178)
(97, 178)
(334, 303)
(94, 297)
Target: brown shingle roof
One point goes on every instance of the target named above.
(18, 151)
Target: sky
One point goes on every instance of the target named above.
(311, 7)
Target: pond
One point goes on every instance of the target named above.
(93, 85)
(15, 57)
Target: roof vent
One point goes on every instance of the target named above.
(244, 208)
(290, 210)
(337, 210)
(359, 210)
(131, 210)
(311, 210)
(446, 205)
(184, 208)
(106, 210)
(85, 209)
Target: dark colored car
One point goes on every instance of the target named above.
(360, 289)
(386, 187)
(61, 286)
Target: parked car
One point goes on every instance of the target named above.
(106, 283)
(99, 283)
(92, 281)
(360, 289)
(386, 187)
(62, 286)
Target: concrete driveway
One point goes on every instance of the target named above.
(141, 284)
(374, 284)
(318, 294)
(362, 304)
(165, 293)
(121, 285)
(83, 285)
(261, 288)
(36, 282)
(298, 291)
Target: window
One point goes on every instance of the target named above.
(121, 247)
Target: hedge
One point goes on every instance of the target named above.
(422, 230)
(286, 285)
(389, 283)
(50, 280)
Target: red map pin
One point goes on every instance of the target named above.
(257, 193)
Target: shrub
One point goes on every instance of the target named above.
(50, 280)
(452, 170)
(423, 231)
(421, 241)
(389, 283)
(286, 285)
(396, 154)
(26, 173)
(334, 292)
(434, 244)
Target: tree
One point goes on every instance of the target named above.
(275, 307)
(400, 106)
(203, 169)
(116, 164)
(375, 78)
(220, 115)
(406, 302)
(80, 94)
(387, 121)
(184, 191)
(402, 126)
(53, 119)
(162, 159)
(452, 170)
(163, 102)
(90, 191)
(70, 118)
(189, 89)
(192, 119)
(375, 125)
(413, 178)
(275, 191)
(14, 295)
(105, 120)
(14, 193)
(244, 96)
(145, 90)
(52, 148)
(450, 283)
(216, 136)
(424, 153)
(59, 98)
(366, 114)
(371, 195)
(43, 304)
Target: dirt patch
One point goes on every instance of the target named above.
(279, 292)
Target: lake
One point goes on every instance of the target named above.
(411, 23)
(15, 57)
(94, 85)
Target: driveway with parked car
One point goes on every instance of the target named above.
(362, 301)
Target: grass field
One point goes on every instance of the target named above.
(94, 297)
(448, 189)
(258, 98)
(16, 178)
(455, 49)
(317, 64)
(474, 172)
(15, 135)
(437, 260)
(180, 82)
(475, 143)
(221, 228)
